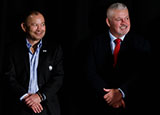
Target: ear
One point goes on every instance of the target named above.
(23, 26)
(107, 22)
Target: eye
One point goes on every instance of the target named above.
(118, 19)
(43, 24)
(34, 24)
(127, 18)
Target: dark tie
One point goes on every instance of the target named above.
(116, 50)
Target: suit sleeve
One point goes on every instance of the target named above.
(93, 78)
(55, 81)
(10, 77)
(140, 70)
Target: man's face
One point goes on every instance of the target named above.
(35, 27)
(119, 22)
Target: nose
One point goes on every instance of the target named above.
(123, 20)
(39, 27)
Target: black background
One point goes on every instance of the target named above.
(74, 23)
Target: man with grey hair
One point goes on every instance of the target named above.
(114, 64)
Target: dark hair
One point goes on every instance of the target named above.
(27, 14)
(24, 15)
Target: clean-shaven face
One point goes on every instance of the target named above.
(119, 22)
(35, 26)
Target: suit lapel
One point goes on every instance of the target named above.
(125, 44)
(24, 54)
(106, 49)
(106, 43)
(42, 55)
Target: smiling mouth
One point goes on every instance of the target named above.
(39, 33)
(123, 27)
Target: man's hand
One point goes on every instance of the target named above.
(37, 108)
(114, 98)
(121, 103)
(33, 101)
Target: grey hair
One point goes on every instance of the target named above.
(115, 6)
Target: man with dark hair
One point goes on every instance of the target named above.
(34, 72)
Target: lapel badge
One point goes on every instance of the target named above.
(44, 50)
(50, 68)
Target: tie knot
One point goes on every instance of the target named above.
(118, 40)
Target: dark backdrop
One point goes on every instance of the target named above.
(73, 23)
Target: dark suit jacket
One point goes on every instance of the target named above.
(133, 62)
(17, 75)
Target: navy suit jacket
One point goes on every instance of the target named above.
(50, 76)
(129, 73)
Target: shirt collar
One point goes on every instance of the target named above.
(29, 45)
(113, 37)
